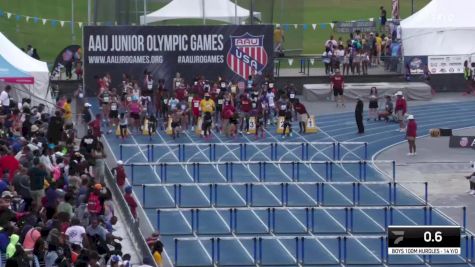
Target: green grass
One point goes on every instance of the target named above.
(50, 40)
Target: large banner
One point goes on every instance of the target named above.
(234, 52)
(446, 64)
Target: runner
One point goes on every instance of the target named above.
(176, 123)
(287, 123)
(244, 108)
(195, 110)
(302, 115)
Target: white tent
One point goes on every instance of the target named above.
(442, 27)
(221, 10)
(37, 69)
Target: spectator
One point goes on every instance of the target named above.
(5, 100)
(99, 156)
(55, 128)
(129, 198)
(37, 175)
(120, 175)
(471, 179)
(35, 54)
(157, 252)
(383, 17)
(94, 205)
(279, 38)
(76, 233)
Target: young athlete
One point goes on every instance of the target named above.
(152, 125)
(123, 123)
(114, 113)
(302, 115)
(195, 110)
(233, 125)
(134, 111)
(287, 123)
(206, 126)
(245, 107)
(176, 123)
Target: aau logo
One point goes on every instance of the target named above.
(247, 55)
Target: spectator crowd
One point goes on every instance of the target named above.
(55, 209)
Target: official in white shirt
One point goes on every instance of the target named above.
(5, 99)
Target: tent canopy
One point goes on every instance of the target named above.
(220, 10)
(38, 92)
(10, 74)
(442, 27)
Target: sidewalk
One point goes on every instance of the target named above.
(442, 167)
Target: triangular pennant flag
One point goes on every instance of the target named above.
(54, 22)
(314, 26)
(332, 25)
(286, 27)
(296, 26)
(61, 23)
(17, 17)
(27, 18)
(305, 26)
(9, 14)
(35, 19)
(1, 13)
(44, 21)
(99, 23)
(277, 25)
(371, 19)
(80, 24)
(323, 26)
(291, 61)
(312, 61)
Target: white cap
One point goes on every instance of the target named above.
(399, 93)
(59, 154)
(120, 162)
(410, 117)
(87, 105)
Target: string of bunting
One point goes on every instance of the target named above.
(44, 21)
(62, 23)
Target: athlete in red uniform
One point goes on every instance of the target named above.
(195, 110)
(337, 85)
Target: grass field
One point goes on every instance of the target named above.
(50, 40)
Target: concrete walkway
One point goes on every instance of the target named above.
(442, 167)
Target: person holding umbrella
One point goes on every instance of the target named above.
(411, 133)
(359, 115)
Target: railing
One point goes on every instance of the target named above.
(210, 148)
(130, 223)
(260, 166)
(319, 196)
(299, 255)
(306, 63)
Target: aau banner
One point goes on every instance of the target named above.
(235, 52)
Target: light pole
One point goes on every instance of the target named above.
(412, 6)
(73, 38)
(144, 12)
